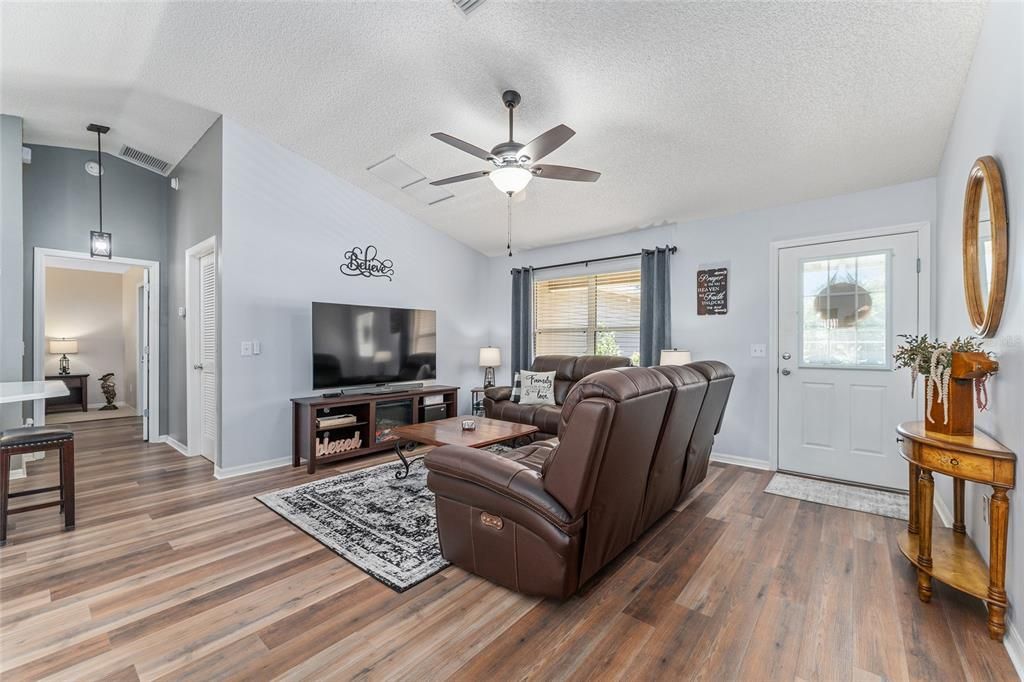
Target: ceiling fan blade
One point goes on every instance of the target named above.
(463, 145)
(546, 170)
(544, 144)
(460, 178)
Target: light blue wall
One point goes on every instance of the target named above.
(990, 121)
(194, 214)
(11, 276)
(741, 243)
(286, 225)
(61, 207)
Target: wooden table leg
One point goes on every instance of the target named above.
(926, 488)
(5, 482)
(912, 522)
(67, 493)
(958, 506)
(999, 512)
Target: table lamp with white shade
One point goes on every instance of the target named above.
(673, 356)
(62, 347)
(490, 357)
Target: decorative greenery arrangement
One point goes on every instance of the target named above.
(933, 359)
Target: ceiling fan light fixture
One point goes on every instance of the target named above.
(510, 179)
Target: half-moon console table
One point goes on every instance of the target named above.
(947, 554)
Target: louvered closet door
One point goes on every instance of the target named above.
(208, 354)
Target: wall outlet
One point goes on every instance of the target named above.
(758, 350)
(246, 348)
(984, 508)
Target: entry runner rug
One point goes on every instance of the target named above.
(880, 502)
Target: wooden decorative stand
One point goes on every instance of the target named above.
(947, 554)
(369, 431)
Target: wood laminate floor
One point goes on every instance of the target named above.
(173, 575)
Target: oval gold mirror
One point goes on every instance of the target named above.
(985, 246)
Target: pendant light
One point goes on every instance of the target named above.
(100, 242)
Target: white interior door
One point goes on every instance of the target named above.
(841, 308)
(142, 346)
(208, 355)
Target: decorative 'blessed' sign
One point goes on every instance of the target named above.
(361, 262)
(712, 291)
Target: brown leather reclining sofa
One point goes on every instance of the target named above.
(568, 370)
(544, 518)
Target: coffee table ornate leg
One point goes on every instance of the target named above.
(405, 462)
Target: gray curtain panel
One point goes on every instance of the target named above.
(655, 305)
(522, 320)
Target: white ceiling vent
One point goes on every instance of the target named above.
(145, 160)
(468, 6)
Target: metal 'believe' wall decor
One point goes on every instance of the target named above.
(361, 262)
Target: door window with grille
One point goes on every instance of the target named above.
(588, 315)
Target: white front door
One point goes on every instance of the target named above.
(842, 306)
(208, 355)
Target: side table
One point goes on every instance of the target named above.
(947, 554)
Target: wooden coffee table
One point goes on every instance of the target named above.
(450, 432)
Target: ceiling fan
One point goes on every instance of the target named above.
(516, 163)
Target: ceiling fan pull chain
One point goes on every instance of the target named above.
(509, 245)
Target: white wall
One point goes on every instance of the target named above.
(739, 242)
(990, 120)
(86, 305)
(286, 225)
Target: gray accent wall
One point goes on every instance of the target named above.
(11, 276)
(61, 206)
(989, 122)
(194, 214)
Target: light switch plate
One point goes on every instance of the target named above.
(257, 347)
(246, 348)
(758, 350)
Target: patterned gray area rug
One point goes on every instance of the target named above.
(385, 526)
(880, 502)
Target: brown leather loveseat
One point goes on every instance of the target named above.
(568, 370)
(546, 517)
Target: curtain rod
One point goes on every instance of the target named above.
(671, 249)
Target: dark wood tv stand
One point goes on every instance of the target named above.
(374, 415)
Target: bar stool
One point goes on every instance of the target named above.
(25, 439)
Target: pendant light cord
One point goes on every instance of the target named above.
(99, 163)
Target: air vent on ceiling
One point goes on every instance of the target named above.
(468, 6)
(145, 160)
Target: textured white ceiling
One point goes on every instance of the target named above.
(687, 109)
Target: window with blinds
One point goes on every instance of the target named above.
(588, 315)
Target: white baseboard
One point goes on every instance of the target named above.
(242, 469)
(748, 462)
(177, 445)
(945, 516)
(1014, 644)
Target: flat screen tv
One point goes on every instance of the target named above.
(360, 345)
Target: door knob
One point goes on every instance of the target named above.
(197, 366)
(786, 372)
(786, 356)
